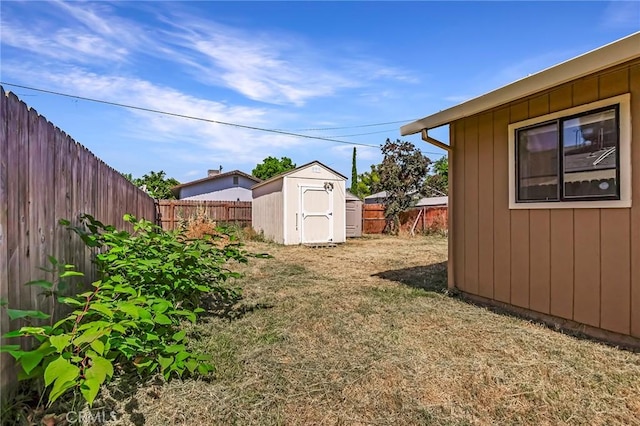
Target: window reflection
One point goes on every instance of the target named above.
(589, 155)
(538, 163)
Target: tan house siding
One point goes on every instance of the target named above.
(577, 264)
(634, 300)
(501, 215)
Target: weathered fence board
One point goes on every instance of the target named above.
(5, 367)
(171, 213)
(431, 219)
(46, 176)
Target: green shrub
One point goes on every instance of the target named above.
(150, 281)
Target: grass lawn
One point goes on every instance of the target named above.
(363, 334)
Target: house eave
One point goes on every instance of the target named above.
(612, 54)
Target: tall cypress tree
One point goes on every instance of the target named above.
(354, 173)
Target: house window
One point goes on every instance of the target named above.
(574, 158)
(235, 180)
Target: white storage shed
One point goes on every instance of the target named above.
(305, 205)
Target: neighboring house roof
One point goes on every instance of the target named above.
(620, 51)
(381, 194)
(433, 201)
(423, 202)
(237, 193)
(176, 189)
(288, 172)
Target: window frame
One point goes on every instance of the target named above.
(623, 104)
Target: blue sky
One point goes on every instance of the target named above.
(340, 67)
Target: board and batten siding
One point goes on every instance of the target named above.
(581, 265)
(267, 211)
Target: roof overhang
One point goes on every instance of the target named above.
(618, 52)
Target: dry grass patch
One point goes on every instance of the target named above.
(364, 334)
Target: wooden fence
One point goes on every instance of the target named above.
(46, 176)
(171, 213)
(420, 219)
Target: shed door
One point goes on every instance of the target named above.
(354, 218)
(316, 213)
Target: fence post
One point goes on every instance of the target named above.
(171, 214)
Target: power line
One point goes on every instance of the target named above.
(207, 120)
(173, 114)
(355, 127)
(362, 134)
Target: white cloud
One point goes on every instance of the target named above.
(264, 66)
(269, 67)
(78, 32)
(62, 44)
(183, 136)
(257, 66)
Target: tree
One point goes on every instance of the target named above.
(157, 185)
(271, 166)
(354, 173)
(402, 175)
(366, 181)
(437, 183)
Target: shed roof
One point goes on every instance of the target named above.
(349, 196)
(177, 188)
(304, 166)
(617, 52)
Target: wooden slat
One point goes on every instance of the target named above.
(562, 261)
(501, 213)
(587, 253)
(615, 291)
(615, 228)
(585, 90)
(485, 205)
(561, 98)
(539, 260)
(6, 371)
(459, 202)
(614, 83)
(23, 208)
(471, 244)
(520, 258)
(634, 87)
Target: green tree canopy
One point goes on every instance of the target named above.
(271, 166)
(437, 183)
(366, 181)
(156, 184)
(402, 175)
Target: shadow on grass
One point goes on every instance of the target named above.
(430, 277)
(229, 307)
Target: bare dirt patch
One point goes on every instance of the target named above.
(364, 333)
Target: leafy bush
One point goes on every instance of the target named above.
(162, 263)
(150, 281)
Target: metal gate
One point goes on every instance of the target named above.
(316, 207)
